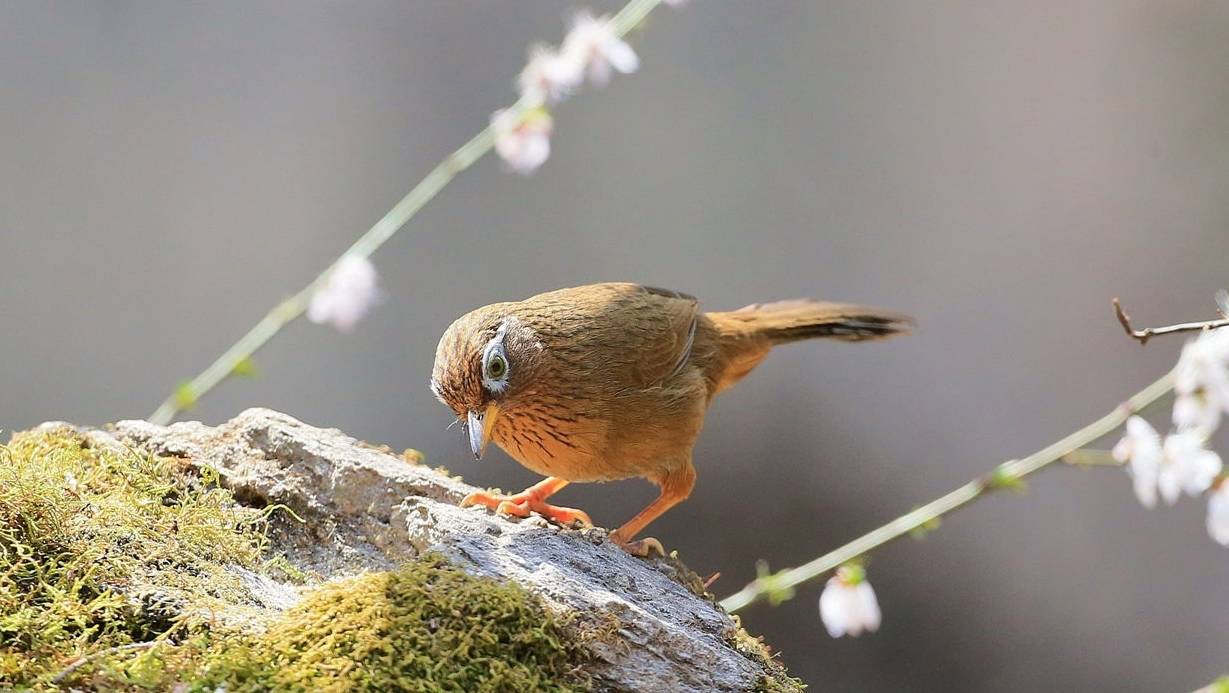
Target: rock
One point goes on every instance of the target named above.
(365, 509)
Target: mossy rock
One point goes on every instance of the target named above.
(427, 626)
(103, 548)
(269, 555)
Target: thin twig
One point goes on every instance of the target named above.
(1005, 476)
(68, 670)
(628, 18)
(1149, 332)
(1087, 457)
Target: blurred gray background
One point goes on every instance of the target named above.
(168, 171)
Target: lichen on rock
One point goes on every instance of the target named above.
(265, 554)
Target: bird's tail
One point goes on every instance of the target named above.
(788, 321)
(747, 334)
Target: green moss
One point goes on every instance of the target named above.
(122, 563)
(102, 548)
(777, 679)
(427, 626)
(280, 568)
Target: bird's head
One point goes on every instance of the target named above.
(483, 364)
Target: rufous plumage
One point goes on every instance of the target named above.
(612, 381)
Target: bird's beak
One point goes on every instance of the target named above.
(480, 426)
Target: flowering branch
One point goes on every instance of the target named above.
(594, 47)
(1149, 332)
(1007, 475)
(1160, 468)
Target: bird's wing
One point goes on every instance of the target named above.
(662, 333)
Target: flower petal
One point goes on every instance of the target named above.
(621, 56)
(1197, 411)
(1145, 491)
(1191, 466)
(1218, 515)
(832, 610)
(1169, 485)
(849, 608)
(348, 293)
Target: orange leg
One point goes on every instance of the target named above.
(532, 499)
(675, 487)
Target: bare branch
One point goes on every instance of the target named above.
(1149, 332)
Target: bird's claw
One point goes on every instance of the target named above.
(522, 504)
(641, 548)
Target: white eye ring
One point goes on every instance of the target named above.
(495, 367)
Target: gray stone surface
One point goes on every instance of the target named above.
(363, 508)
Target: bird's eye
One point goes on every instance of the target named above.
(496, 367)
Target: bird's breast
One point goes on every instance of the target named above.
(636, 432)
(556, 443)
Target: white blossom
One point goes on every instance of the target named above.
(1181, 463)
(348, 293)
(1188, 465)
(1203, 363)
(549, 76)
(1218, 514)
(1140, 449)
(592, 47)
(1197, 411)
(1202, 382)
(523, 144)
(847, 605)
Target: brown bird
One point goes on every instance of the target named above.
(612, 381)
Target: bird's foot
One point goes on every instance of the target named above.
(523, 503)
(642, 548)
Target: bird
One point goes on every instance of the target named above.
(612, 381)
